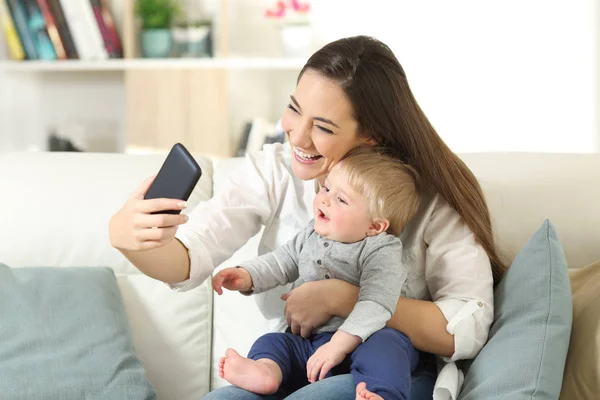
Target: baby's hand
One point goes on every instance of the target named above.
(232, 279)
(326, 357)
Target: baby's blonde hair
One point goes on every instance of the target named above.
(390, 187)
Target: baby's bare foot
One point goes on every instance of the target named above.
(260, 377)
(363, 394)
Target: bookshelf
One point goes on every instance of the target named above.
(202, 102)
(122, 65)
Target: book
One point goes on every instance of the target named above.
(17, 10)
(257, 133)
(13, 41)
(109, 33)
(52, 29)
(38, 29)
(63, 29)
(84, 28)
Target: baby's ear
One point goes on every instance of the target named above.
(377, 226)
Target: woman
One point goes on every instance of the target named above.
(352, 92)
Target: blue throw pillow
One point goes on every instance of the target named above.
(64, 335)
(525, 355)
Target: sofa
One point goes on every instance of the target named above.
(56, 207)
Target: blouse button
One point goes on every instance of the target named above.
(319, 262)
(326, 244)
(480, 304)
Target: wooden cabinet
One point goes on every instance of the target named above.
(164, 106)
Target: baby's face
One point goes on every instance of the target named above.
(340, 213)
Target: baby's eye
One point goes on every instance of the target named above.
(325, 188)
(341, 200)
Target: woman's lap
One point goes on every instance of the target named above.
(339, 387)
(235, 393)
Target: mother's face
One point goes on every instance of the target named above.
(320, 126)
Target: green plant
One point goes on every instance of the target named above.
(157, 14)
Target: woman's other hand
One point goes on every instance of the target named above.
(307, 306)
(134, 227)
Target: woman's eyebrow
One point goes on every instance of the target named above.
(327, 121)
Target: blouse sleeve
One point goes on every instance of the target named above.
(460, 281)
(220, 226)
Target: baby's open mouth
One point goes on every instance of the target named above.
(322, 215)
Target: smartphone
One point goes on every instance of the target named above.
(176, 178)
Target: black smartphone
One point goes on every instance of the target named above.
(176, 178)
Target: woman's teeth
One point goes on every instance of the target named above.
(305, 156)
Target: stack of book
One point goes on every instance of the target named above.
(258, 132)
(59, 30)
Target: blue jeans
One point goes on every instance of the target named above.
(384, 362)
(339, 387)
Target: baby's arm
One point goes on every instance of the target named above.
(233, 279)
(381, 281)
(278, 267)
(331, 354)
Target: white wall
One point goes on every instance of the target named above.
(95, 102)
(492, 75)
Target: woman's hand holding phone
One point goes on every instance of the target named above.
(135, 227)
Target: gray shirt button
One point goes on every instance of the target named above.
(326, 244)
(327, 276)
(319, 262)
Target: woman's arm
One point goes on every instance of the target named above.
(152, 262)
(422, 321)
(425, 325)
(215, 230)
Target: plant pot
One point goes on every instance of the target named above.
(156, 43)
(193, 41)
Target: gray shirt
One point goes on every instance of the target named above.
(374, 264)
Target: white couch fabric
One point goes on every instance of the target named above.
(56, 207)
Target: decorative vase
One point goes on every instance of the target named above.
(156, 43)
(296, 39)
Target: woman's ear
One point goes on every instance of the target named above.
(371, 142)
(377, 226)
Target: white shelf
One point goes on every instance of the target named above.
(120, 65)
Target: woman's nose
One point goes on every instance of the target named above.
(300, 137)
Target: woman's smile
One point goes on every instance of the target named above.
(306, 158)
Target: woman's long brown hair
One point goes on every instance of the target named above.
(387, 112)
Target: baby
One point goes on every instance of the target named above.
(366, 201)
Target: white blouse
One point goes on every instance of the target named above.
(447, 265)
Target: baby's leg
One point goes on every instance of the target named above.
(385, 363)
(262, 376)
(275, 362)
(363, 394)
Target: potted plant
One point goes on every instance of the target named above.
(156, 17)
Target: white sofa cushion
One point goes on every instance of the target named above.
(55, 213)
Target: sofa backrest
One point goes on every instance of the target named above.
(523, 189)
